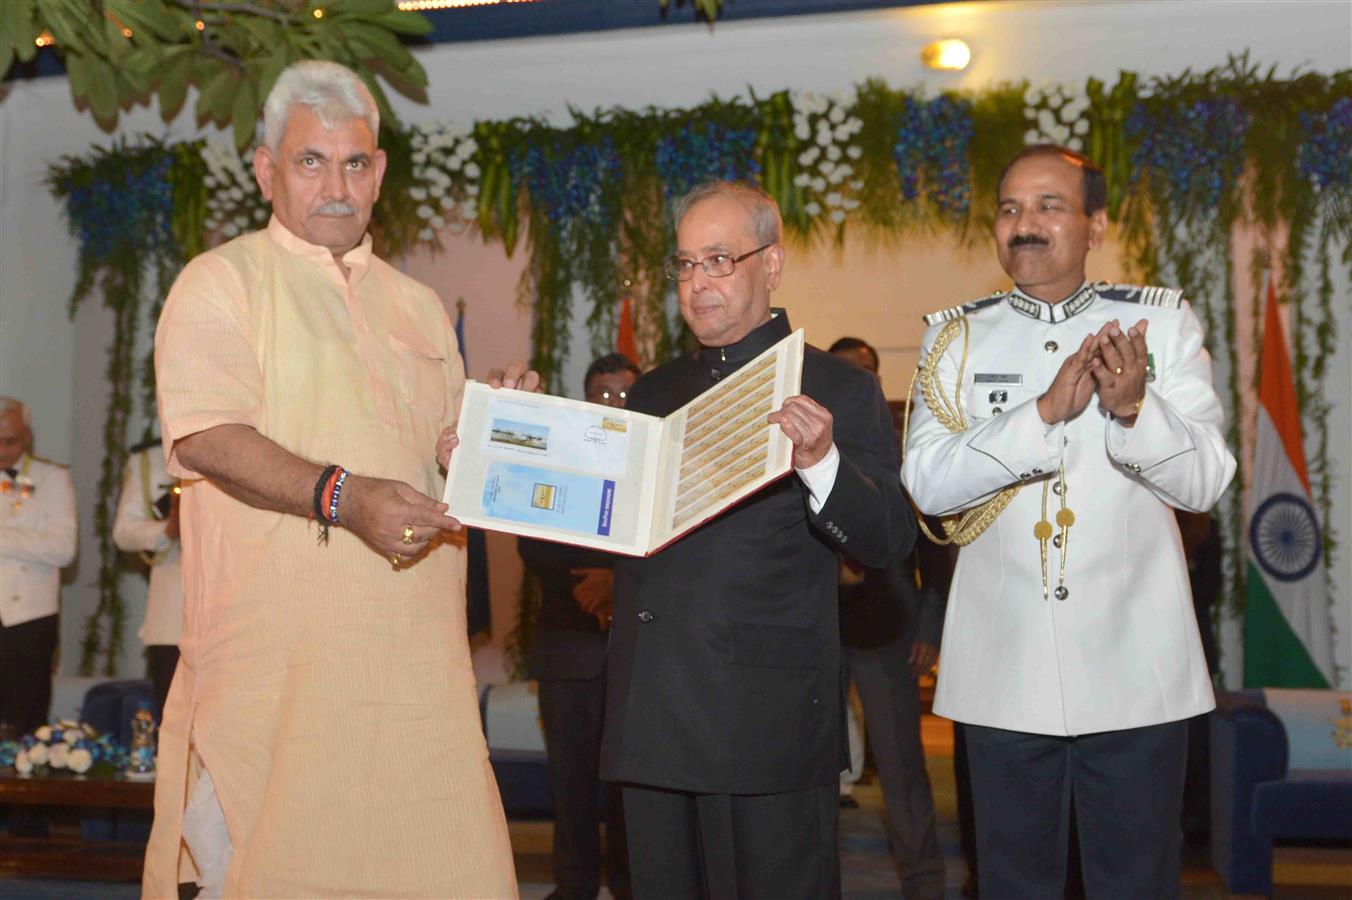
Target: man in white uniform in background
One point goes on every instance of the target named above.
(38, 533)
(147, 523)
(1071, 651)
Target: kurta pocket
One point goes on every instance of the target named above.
(422, 374)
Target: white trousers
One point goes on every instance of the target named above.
(205, 834)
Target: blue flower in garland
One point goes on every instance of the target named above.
(1325, 156)
(570, 187)
(1198, 148)
(126, 213)
(932, 142)
(698, 154)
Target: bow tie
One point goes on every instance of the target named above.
(12, 473)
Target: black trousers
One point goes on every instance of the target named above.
(725, 846)
(161, 663)
(26, 652)
(891, 699)
(573, 714)
(1127, 791)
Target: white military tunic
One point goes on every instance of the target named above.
(137, 528)
(38, 532)
(1122, 650)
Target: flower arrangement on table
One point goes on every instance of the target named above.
(65, 745)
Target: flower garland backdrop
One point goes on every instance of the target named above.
(1187, 158)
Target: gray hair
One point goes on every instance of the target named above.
(333, 92)
(8, 406)
(766, 224)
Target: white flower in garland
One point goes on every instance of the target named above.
(825, 166)
(445, 179)
(80, 760)
(234, 203)
(57, 755)
(1056, 115)
(23, 764)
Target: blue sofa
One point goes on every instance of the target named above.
(109, 707)
(1267, 788)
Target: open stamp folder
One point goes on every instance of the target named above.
(581, 473)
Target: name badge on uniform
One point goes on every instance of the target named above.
(997, 382)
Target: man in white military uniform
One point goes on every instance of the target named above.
(147, 523)
(1071, 650)
(37, 539)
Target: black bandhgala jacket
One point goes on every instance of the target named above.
(724, 661)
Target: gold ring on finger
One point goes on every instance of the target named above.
(1117, 370)
(395, 559)
(408, 529)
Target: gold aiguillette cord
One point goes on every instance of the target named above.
(1065, 518)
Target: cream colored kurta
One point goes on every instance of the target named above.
(330, 696)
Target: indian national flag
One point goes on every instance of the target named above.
(1287, 639)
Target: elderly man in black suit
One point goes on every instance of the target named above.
(723, 708)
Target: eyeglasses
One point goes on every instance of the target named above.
(605, 395)
(720, 265)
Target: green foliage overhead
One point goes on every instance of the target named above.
(119, 53)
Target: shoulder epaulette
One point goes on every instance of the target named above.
(948, 315)
(1166, 298)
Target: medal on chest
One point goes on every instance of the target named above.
(18, 489)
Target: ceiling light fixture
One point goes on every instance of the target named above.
(948, 55)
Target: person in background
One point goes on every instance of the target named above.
(147, 523)
(891, 620)
(568, 660)
(38, 535)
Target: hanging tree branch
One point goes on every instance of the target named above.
(120, 52)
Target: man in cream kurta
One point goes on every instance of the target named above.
(1071, 651)
(327, 692)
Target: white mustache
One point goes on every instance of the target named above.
(335, 208)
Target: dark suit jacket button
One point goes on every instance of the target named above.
(644, 615)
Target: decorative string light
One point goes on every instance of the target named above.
(319, 12)
(45, 39)
(425, 5)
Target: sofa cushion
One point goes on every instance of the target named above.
(1318, 726)
(1307, 804)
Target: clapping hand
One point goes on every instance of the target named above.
(1072, 387)
(1119, 369)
